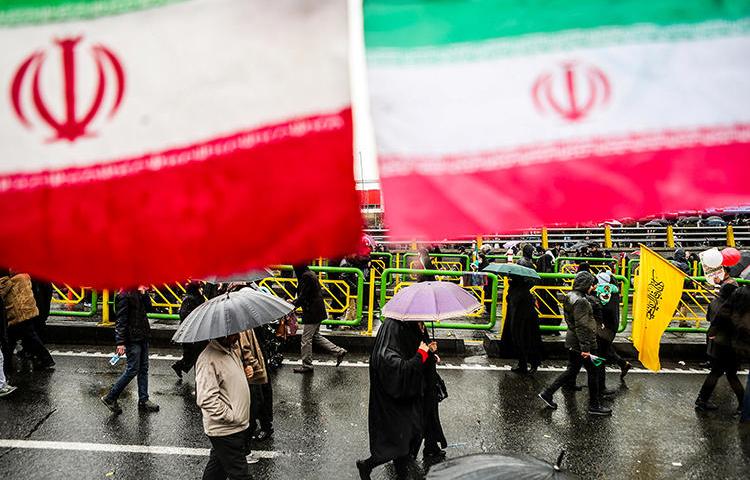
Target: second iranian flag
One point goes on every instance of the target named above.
(500, 115)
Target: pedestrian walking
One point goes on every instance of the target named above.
(310, 298)
(22, 309)
(723, 357)
(740, 306)
(132, 333)
(5, 389)
(581, 342)
(433, 392)
(608, 299)
(223, 395)
(395, 416)
(523, 323)
(190, 351)
(256, 374)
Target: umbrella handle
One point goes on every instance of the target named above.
(558, 464)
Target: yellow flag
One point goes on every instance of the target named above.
(658, 288)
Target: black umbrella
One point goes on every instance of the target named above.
(742, 269)
(244, 277)
(486, 466)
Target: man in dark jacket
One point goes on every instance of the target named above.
(580, 341)
(132, 332)
(527, 257)
(395, 412)
(310, 298)
(190, 351)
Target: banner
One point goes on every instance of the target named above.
(658, 289)
(144, 141)
(492, 116)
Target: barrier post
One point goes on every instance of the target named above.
(545, 238)
(105, 307)
(371, 309)
(670, 236)
(730, 236)
(607, 236)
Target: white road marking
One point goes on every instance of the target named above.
(444, 366)
(113, 447)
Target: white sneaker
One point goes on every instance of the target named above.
(252, 459)
(7, 390)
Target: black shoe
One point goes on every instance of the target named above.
(364, 470)
(148, 406)
(547, 398)
(624, 370)
(340, 357)
(600, 411)
(113, 406)
(177, 370)
(704, 406)
(304, 369)
(608, 392)
(263, 435)
(519, 370)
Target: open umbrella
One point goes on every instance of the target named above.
(511, 244)
(430, 302)
(486, 466)
(511, 269)
(742, 268)
(231, 313)
(246, 277)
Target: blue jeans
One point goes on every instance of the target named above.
(137, 353)
(746, 402)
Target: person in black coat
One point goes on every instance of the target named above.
(190, 351)
(395, 414)
(434, 438)
(523, 323)
(527, 257)
(724, 360)
(425, 263)
(132, 333)
(310, 298)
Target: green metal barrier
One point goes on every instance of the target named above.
(360, 291)
(624, 298)
(595, 262)
(462, 326)
(77, 313)
(466, 259)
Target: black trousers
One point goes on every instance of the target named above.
(227, 459)
(401, 463)
(724, 363)
(32, 344)
(568, 377)
(261, 406)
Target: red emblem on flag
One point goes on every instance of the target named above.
(572, 92)
(73, 125)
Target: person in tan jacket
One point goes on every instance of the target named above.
(223, 395)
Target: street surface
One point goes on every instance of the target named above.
(54, 426)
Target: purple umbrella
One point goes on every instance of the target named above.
(430, 302)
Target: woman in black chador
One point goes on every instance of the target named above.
(395, 417)
(433, 389)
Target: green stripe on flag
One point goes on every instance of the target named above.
(423, 23)
(23, 12)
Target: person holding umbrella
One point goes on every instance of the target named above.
(190, 351)
(222, 389)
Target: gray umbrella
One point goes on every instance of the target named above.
(487, 466)
(231, 313)
(245, 277)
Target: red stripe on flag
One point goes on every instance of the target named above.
(287, 198)
(595, 188)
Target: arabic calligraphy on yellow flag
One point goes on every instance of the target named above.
(658, 288)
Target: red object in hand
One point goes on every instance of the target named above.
(422, 354)
(731, 256)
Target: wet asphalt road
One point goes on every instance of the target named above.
(321, 425)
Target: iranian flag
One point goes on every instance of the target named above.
(144, 141)
(496, 115)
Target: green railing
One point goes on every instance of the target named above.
(624, 298)
(79, 313)
(461, 326)
(592, 261)
(465, 264)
